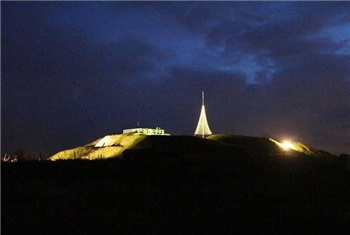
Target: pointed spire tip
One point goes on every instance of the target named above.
(202, 97)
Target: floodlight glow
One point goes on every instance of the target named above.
(286, 145)
(105, 142)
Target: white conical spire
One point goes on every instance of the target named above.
(203, 129)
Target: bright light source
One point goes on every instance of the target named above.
(286, 145)
(105, 142)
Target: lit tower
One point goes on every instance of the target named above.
(203, 129)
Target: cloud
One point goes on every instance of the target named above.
(277, 29)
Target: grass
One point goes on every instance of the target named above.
(182, 195)
(119, 143)
(223, 145)
(257, 144)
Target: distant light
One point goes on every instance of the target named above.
(286, 145)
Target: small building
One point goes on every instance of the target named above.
(145, 131)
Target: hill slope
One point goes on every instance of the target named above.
(107, 147)
(268, 146)
(136, 144)
(218, 145)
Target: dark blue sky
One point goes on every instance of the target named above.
(73, 72)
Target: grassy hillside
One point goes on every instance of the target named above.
(267, 146)
(116, 145)
(142, 145)
(186, 146)
(224, 184)
(215, 146)
(257, 145)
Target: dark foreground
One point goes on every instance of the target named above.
(175, 196)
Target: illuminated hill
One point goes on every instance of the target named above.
(107, 147)
(215, 146)
(269, 146)
(119, 145)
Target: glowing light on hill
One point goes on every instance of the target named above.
(105, 142)
(286, 145)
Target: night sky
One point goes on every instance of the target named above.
(72, 72)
